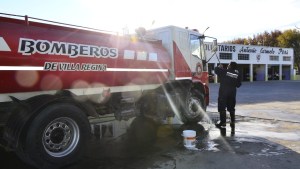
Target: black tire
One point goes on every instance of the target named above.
(143, 132)
(57, 136)
(194, 109)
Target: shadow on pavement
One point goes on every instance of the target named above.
(147, 145)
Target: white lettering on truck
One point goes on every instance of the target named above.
(30, 47)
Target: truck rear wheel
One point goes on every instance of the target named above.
(57, 136)
(194, 109)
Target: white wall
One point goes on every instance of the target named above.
(259, 57)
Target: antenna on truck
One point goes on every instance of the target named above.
(205, 30)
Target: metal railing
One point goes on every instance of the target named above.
(55, 23)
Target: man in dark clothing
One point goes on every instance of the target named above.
(230, 79)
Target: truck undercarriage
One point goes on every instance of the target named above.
(65, 122)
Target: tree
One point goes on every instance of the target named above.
(236, 41)
(264, 39)
(291, 39)
(287, 39)
(273, 39)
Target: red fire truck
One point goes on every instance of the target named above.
(55, 76)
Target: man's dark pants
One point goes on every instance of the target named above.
(227, 100)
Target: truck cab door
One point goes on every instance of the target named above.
(197, 61)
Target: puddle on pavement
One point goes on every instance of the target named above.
(268, 130)
(207, 135)
(248, 132)
(168, 147)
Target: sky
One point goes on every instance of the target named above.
(226, 19)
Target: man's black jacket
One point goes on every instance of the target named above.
(230, 79)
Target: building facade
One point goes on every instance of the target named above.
(255, 63)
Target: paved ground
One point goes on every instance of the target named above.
(275, 102)
(267, 135)
(270, 100)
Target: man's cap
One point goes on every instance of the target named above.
(233, 65)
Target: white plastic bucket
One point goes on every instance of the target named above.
(189, 138)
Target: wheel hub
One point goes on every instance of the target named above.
(61, 137)
(57, 136)
(193, 107)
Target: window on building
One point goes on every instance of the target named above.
(226, 56)
(243, 56)
(286, 58)
(274, 58)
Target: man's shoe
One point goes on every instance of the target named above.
(220, 125)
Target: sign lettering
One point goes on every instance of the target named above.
(30, 47)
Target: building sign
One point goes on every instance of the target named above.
(226, 48)
(249, 49)
(258, 57)
(267, 51)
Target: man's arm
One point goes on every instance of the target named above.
(219, 69)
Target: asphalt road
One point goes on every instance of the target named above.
(267, 135)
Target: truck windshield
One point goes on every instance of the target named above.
(197, 47)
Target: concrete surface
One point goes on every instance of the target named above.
(267, 135)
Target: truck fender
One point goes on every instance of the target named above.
(85, 106)
(201, 89)
(20, 114)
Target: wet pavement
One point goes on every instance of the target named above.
(267, 135)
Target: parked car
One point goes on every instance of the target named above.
(273, 76)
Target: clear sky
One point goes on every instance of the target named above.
(227, 19)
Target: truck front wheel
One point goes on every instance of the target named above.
(194, 109)
(57, 135)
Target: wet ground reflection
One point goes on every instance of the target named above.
(145, 144)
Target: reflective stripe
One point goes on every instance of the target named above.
(183, 78)
(232, 75)
(108, 69)
(85, 91)
(21, 68)
(135, 70)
